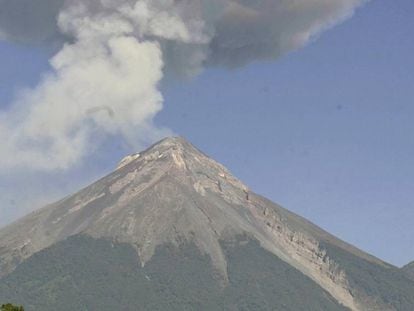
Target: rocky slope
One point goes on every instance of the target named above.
(173, 195)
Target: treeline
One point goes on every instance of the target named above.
(10, 307)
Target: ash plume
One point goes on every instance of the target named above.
(114, 54)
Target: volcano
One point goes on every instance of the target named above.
(172, 229)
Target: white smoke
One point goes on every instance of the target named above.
(114, 54)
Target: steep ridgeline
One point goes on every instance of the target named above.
(171, 229)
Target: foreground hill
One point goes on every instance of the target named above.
(171, 229)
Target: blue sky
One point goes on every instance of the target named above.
(326, 131)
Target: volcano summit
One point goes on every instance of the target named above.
(171, 229)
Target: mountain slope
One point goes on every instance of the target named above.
(174, 196)
(409, 270)
(88, 274)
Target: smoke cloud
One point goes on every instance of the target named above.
(114, 54)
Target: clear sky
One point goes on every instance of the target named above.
(326, 131)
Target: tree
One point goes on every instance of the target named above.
(10, 307)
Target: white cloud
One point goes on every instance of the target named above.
(105, 78)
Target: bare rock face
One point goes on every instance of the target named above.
(172, 193)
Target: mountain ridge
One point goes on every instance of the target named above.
(172, 193)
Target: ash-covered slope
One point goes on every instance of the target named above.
(172, 198)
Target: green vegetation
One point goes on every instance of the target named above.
(261, 281)
(10, 307)
(86, 274)
(391, 285)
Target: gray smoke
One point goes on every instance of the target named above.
(114, 54)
